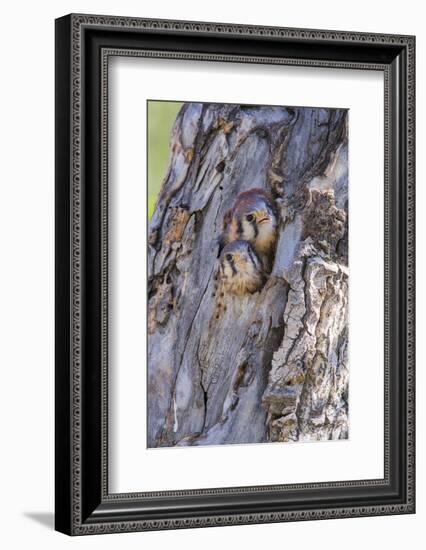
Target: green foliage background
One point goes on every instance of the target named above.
(161, 117)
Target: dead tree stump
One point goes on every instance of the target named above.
(274, 366)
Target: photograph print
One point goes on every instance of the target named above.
(247, 255)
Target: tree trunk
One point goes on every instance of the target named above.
(274, 366)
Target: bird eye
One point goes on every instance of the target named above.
(250, 217)
(228, 257)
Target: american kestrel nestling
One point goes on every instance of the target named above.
(240, 272)
(252, 219)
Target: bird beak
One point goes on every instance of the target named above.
(264, 217)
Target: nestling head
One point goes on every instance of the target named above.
(254, 220)
(240, 268)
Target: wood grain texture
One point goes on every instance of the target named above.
(273, 367)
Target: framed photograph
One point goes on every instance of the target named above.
(234, 274)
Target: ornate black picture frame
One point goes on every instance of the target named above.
(84, 44)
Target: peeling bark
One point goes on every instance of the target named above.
(273, 367)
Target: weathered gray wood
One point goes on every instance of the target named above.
(273, 367)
